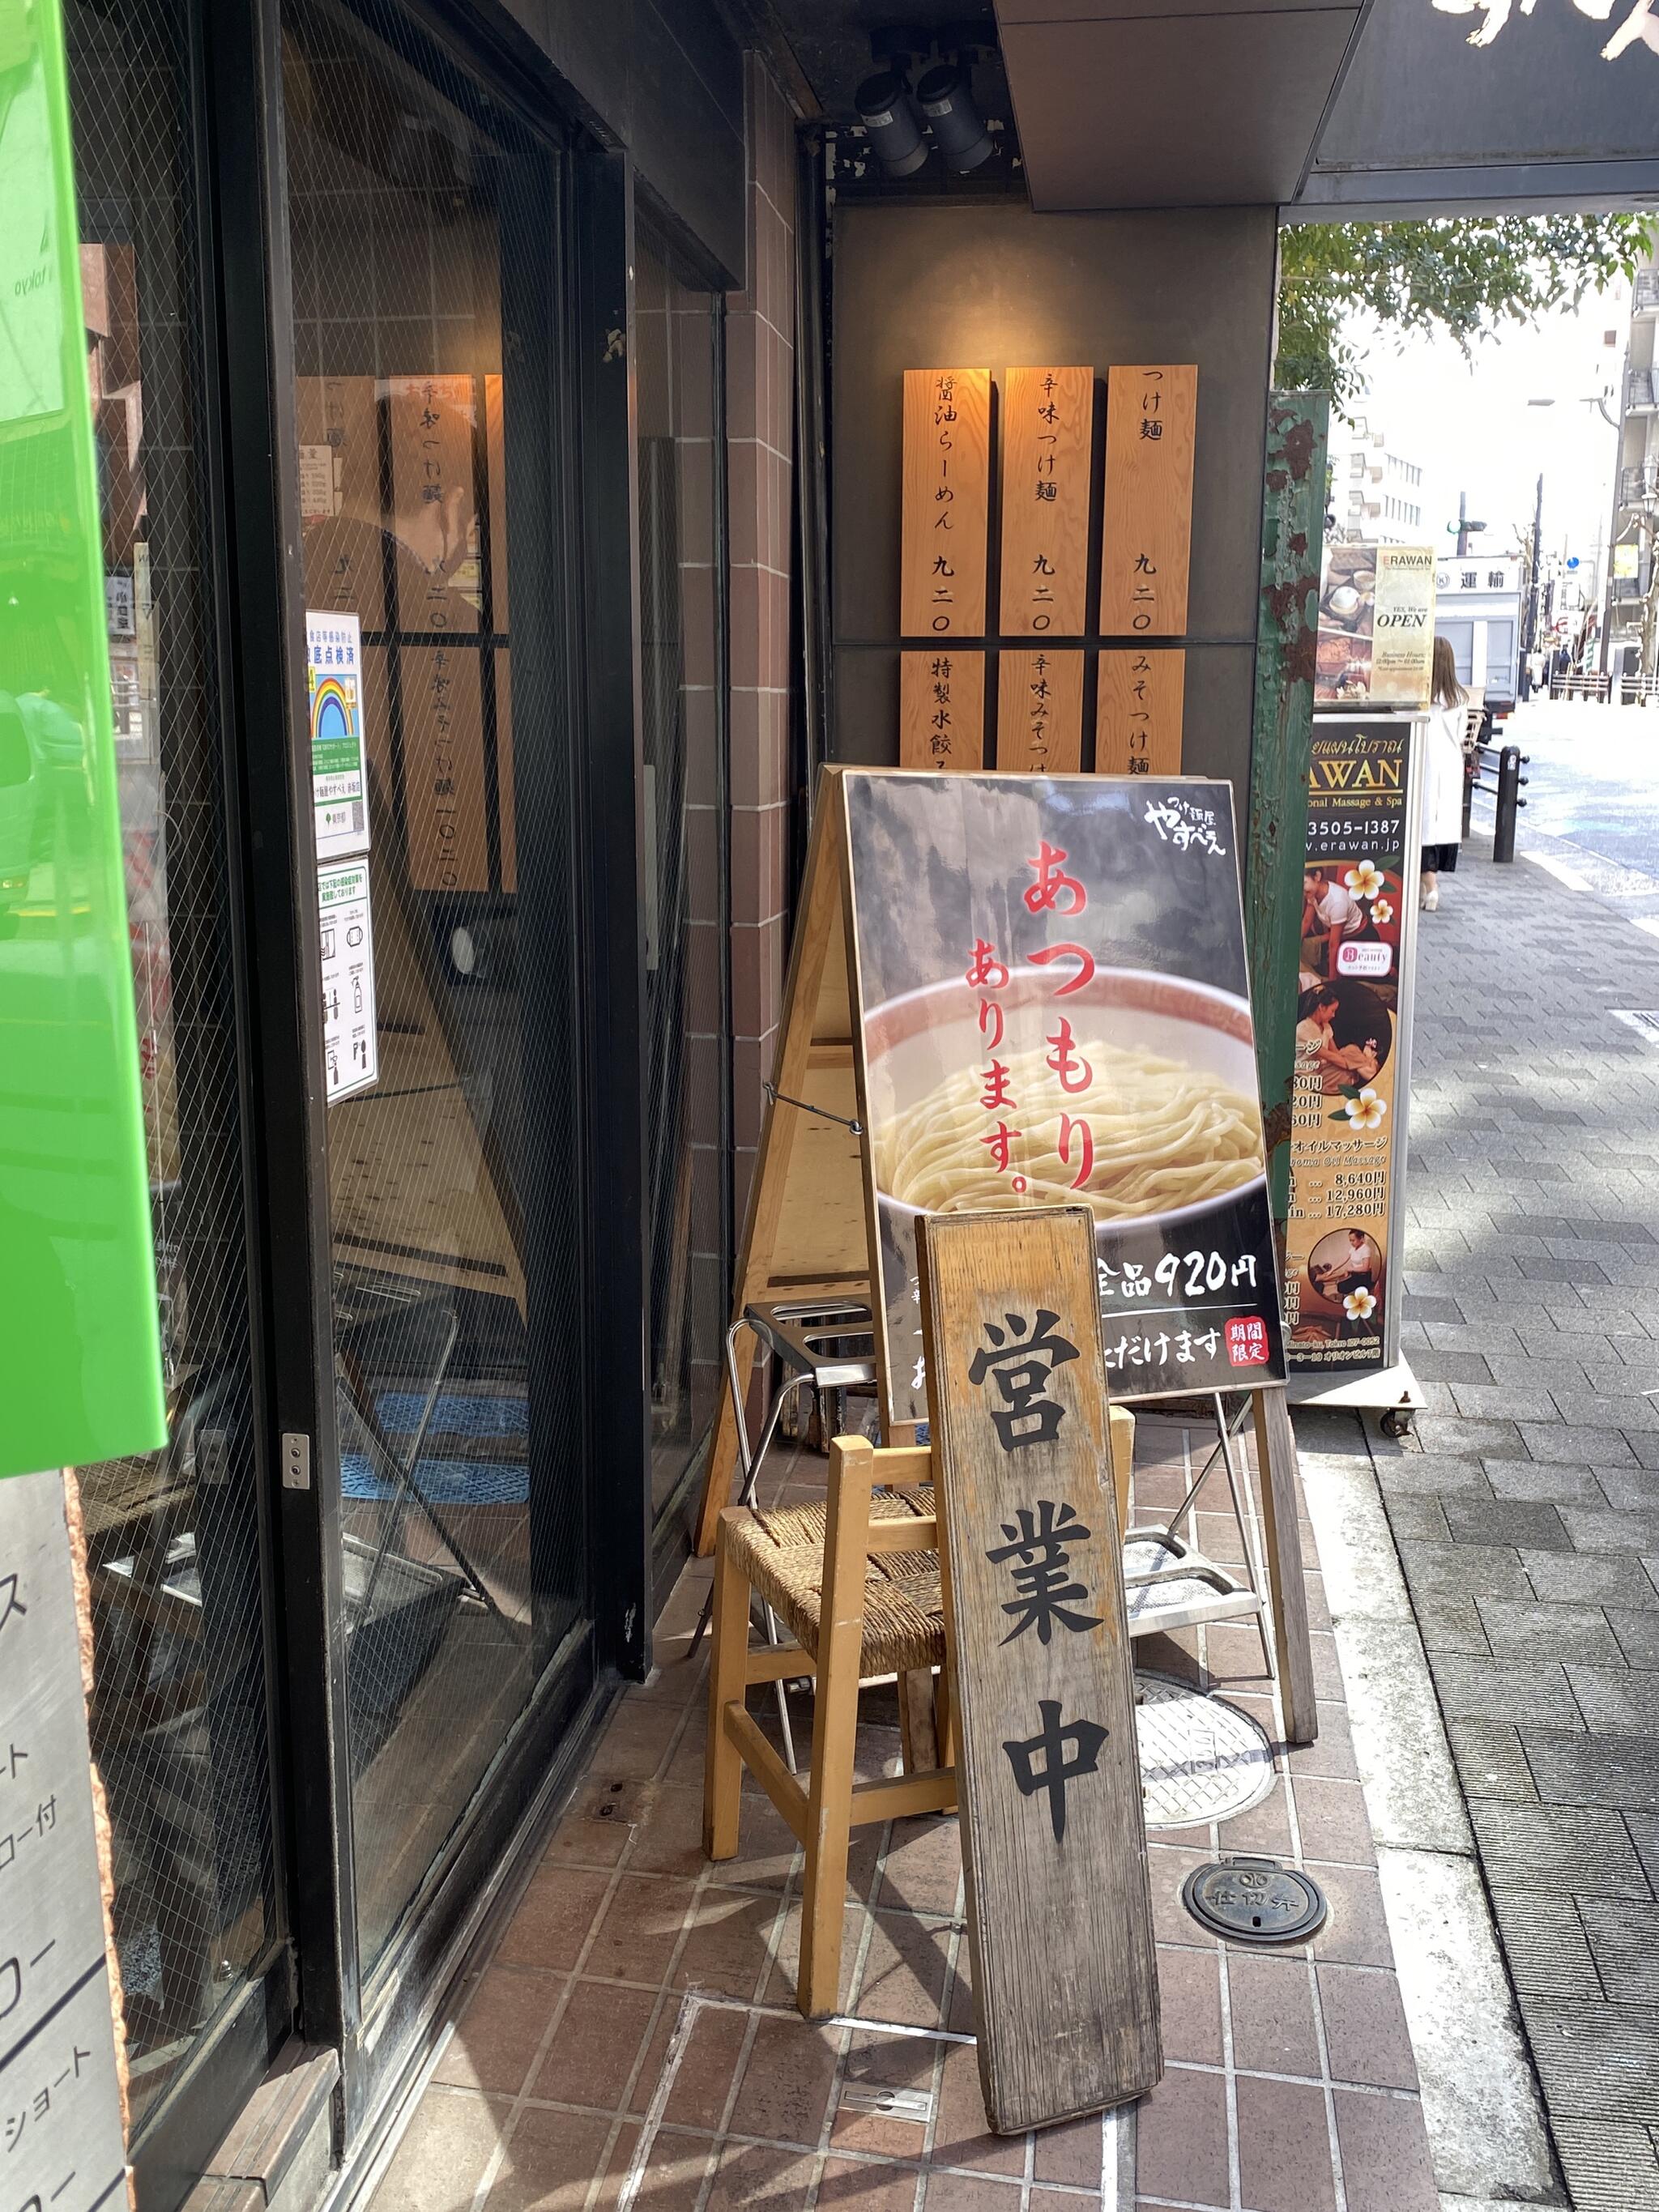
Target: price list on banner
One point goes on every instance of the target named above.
(60, 2099)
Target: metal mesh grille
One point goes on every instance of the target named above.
(676, 362)
(179, 1718)
(422, 229)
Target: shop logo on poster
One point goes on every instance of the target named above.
(1364, 959)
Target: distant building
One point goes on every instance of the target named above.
(1376, 492)
(1636, 486)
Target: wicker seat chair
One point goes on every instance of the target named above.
(856, 1581)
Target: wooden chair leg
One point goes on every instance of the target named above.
(917, 1738)
(823, 1893)
(727, 1678)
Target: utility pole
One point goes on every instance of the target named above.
(1466, 528)
(1535, 580)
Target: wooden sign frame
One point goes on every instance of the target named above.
(810, 1228)
(1054, 1837)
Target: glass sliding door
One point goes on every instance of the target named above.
(180, 1719)
(424, 226)
(681, 648)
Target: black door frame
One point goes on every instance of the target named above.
(378, 2021)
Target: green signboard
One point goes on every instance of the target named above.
(80, 1360)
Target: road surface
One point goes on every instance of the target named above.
(1592, 810)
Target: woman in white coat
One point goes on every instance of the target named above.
(1442, 773)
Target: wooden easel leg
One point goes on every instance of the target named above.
(722, 1783)
(1121, 1433)
(1275, 1453)
(944, 1733)
(723, 1452)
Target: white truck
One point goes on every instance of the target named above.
(1477, 609)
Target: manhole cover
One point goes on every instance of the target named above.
(1254, 1901)
(1200, 1760)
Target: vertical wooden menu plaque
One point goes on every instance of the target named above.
(947, 483)
(1146, 530)
(339, 442)
(1047, 419)
(1040, 711)
(443, 768)
(942, 709)
(1137, 719)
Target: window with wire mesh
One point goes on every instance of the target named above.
(681, 471)
(424, 224)
(178, 1708)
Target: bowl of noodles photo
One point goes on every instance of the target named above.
(1172, 1108)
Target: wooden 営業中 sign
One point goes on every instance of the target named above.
(946, 503)
(1040, 711)
(1138, 713)
(1053, 1841)
(1147, 524)
(1048, 416)
(942, 708)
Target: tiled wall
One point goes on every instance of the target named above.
(760, 433)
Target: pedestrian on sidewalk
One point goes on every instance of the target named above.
(1442, 773)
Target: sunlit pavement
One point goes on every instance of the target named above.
(1592, 794)
(1527, 1518)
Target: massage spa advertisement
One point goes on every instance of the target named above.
(1376, 644)
(1343, 1118)
(1053, 1004)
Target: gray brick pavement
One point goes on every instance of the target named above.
(1525, 1505)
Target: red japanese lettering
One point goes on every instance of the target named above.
(990, 1006)
(1085, 973)
(985, 970)
(1000, 1142)
(996, 1094)
(1085, 1149)
(1052, 882)
(1074, 1071)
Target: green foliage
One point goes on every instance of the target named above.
(1462, 273)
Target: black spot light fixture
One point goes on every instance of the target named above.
(890, 123)
(957, 125)
(903, 122)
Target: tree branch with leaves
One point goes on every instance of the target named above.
(1466, 275)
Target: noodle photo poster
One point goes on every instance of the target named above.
(1055, 1011)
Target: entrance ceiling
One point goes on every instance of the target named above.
(1376, 107)
(1171, 103)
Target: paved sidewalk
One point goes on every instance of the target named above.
(1527, 1511)
(632, 2046)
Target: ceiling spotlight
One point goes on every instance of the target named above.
(889, 120)
(959, 130)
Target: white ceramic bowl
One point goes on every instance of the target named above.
(911, 1041)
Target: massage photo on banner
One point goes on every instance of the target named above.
(1055, 1012)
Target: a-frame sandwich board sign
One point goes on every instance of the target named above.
(1098, 919)
(805, 1231)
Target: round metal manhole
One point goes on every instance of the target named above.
(1200, 1759)
(1246, 1900)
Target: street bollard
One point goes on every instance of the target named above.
(1509, 801)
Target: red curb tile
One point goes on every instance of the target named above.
(1181, 2140)
(1283, 2148)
